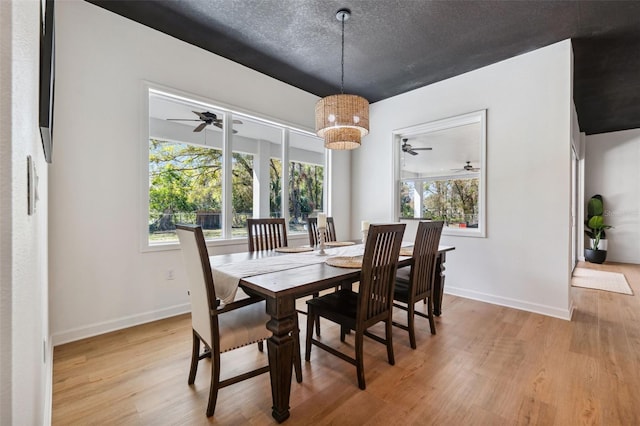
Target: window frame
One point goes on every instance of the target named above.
(229, 111)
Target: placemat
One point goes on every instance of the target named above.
(345, 261)
(293, 249)
(406, 251)
(338, 243)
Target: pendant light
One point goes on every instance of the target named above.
(342, 120)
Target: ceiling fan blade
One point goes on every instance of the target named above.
(183, 119)
(219, 120)
(201, 115)
(422, 149)
(412, 152)
(200, 127)
(219, 125)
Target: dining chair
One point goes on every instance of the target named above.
(415, 282)
(314, 239)
(266, 234)
(312, 227)
(219, 328)
(372, 303)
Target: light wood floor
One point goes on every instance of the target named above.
(488, 365)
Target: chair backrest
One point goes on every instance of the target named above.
(329, 233)
(425, 252)
(379, 266)
(201, 291)
(266, 234)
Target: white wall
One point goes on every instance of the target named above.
(611, 170)
(100, 280)
(25, 377)
(523, 262)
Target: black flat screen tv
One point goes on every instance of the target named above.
(47, 78)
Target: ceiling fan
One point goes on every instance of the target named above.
(207, 119)
(467, 168)
(409, 149)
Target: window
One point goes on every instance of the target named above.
(441, 171)
(454, 201)
(189, 175)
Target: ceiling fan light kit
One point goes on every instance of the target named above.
(342, 120)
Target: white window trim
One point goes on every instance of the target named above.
(143, 204)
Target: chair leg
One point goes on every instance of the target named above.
(195, 355)
(389, 339)
(411, 325)
(317, 319)
(311, 316)
(343, 333)
(432, 323)
(297, 364)
(261, 346)
(360, 359)
(215, 382)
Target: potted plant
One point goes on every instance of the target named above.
(597, 251)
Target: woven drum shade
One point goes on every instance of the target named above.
(342, 120)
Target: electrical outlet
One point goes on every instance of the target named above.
(170, 274)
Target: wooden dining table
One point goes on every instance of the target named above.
(281, 288)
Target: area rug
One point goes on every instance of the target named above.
(600, 280)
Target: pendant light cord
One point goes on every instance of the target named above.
(342, 59)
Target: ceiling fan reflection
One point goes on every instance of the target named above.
(467, 168)
(207, 118)
(411, 150)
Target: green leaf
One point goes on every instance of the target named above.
(595, 207)
(596, 222)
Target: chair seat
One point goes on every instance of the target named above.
(403, 274)
(401, 289)
(340, 307)
(401, 292)
(243, 326)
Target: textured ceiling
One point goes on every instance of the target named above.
(393, 46)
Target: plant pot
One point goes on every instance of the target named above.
(595, 256)
(602, 245)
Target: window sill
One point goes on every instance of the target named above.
(297, 239)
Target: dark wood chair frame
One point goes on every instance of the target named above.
(266, 234)
(370, 305)
(312, 227)
(270, 234)
(314, 239)
(419, 286)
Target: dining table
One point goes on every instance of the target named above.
(281, 286)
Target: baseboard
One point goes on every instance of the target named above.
(509, 303)
(48, 385)
(572, 307)
(118, 324)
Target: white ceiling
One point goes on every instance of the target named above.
(165, 107)
(451, 149)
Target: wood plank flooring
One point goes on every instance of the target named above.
(488, 365)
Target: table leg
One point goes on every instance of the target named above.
(438, 285)
(280, 347)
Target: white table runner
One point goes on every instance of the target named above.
(227, 277)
